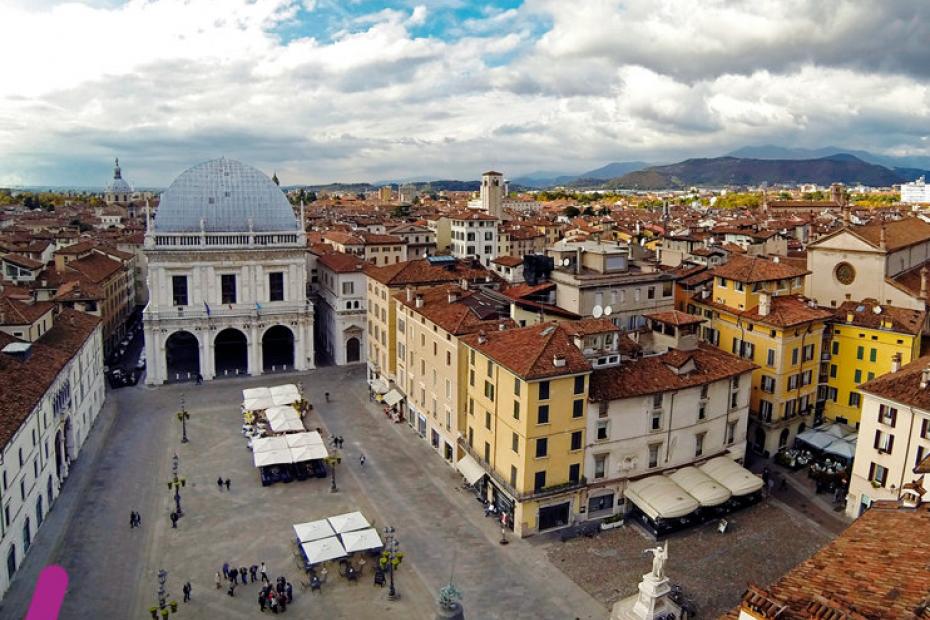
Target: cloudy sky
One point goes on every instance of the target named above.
(327, 90)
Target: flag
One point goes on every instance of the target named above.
(258, 306)
(207, 308)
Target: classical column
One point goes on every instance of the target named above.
(255, 351)
(209, 363)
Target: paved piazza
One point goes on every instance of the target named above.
(126, 465)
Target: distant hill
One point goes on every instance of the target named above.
(585, 179)
(721, 171)
(614, 170)
(770, 151)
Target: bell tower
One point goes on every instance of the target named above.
(492, 193)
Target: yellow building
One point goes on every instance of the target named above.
(867, 339)
(526, 394)
(756, 313)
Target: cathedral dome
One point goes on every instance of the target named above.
(227, 196)
(118, 184)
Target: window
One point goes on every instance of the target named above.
(731, 433)
(770, 358)
(516, 410)
(859, 352)
(654, 454)
(489, 390)
(539, 481)
(794, 356)
(513, 476)
(657, 401)
(734, 400)
(578, 408)
(765, 410)
(600, 465)
(768, 384)
(179, 290)
(878, 474)
(836, 347)
(833, 371)
(542, 417)
(576, 440)
(228, 288)
(857, 376)
(873, 355)
(487, 420)
(699, 444)
(471, 406)
(722, 282)
(655, 422)
(471, 357)
(808, 352)
(27, 535)
(276, 286)
(702, 411)
(487, 452)
(516, 387)
(543, 390)
(490, 368)
(888, 415)
(602, 430)
(705, 389)
(574, 473)
(884, 442)
(651, 292)
(579, 385)
(515, 443)
(854, 399)
(471, 377)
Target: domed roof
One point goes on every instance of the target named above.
(226, 195)
(118, 184)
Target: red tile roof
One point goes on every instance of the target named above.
(13, 312)
(898, 234)
(420, 272)
(23, 261)
(755, 269)
(529, 352)
(466, 315)
(342, 263)
(95, 267)
(590, 327)
(674, 317)
(508, 261)
(863, 314)
(902, 386)
(786, 311)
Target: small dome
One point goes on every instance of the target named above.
(226, 195)
(119, 186)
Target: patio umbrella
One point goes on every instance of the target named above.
(842, 449)
(834, 430)
(816, 439)
(348, 522)
(323, 550)
(313, 530)
(361, 540)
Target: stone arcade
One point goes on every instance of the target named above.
(226, 278)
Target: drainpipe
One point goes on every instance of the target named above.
(907, 450)
(668, 435)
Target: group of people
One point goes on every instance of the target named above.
(276, 598)
(221, 483)
(135, 519)
(234, 575)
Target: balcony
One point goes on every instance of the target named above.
(522, 497)
(224, 311)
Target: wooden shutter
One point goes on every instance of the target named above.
(878, 439)
(890, 443)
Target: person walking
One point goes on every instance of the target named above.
(264, 573)
(219, 483)
(243, 573)
(253, 573)
(227, 484)
(326, 395)
(234, 575)
(226, 571)
(261, 601)
(138, 519)
(289, 590)
(219, 580)
(273, 602)
(132, 520)
(174, 519)
(361, 461)
(187, 592)
(232, 589)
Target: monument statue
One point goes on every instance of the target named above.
(659, 556)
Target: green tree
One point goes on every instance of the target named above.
(571, 211)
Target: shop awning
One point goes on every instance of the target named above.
(660, 498)
(323, 550)
(470, 468)
(378, 386)
(841, 448)
(816, 439)
(707, 491)
(361, 540)
(392, 398)
(313, 530)
(349, 522)
(732, 475)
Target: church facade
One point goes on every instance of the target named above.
(226, 278)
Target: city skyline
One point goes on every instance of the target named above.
(317, 91)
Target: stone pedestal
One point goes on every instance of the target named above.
(453, 611)
(652, 602)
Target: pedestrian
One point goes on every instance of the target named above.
(765, 475)
(279, 587)
(187, 592)
(341, 441)
(784, 483)
(243, 573)
(227, 484)
(232, 590)
(273, 602)
(282, 603)
(771, 486)
(174, 519)
(264, 573)
(132, 520)
(253, 573)
(289, 591)
(219, 483)
(138, 520)
(199, 378)
(361, 461)
(234, 575)
(326, 394)
(261, 601)
(219, 581)
(226, 571)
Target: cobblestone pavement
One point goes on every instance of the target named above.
(763, 542)
(404, 484)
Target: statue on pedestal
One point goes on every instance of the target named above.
(659, 557)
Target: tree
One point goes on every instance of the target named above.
(588, 211)
(571, 211)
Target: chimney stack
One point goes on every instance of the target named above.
(453, 296)
(896, 362)
(419, 301)
(881, 236)
(464, 284)
(409, 294)
(558, 361)
(765, 304)
(482, 337)
(923, 282)
(925, 378)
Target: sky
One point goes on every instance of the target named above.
(355, 90)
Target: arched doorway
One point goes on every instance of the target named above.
(182, 354)
(353, 350)
(231, 352)
(278, 349)
(783, 438)
(802, 427)
(759, 440)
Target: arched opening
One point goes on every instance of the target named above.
(59, 457)
(278, 349)
(759, 440)
(783, 438)
(231, 352)
(353, 350)
(802, 427)
(182, 354)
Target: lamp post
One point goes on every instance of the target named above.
(333, 460)
(176, 483)
(163, 606)
(391, 555)
(183, 416)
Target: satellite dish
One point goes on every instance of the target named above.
(877, 309)
(608, 310)
(642, 242)
(566, 262)
(597, 312)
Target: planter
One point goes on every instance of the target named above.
(610, 526)
(165, 612)
(154, 612)
(174, 606)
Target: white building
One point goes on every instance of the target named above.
(341, 313)
(226, 277)
(474, 235)
(51, 390)
(673, 404)
(915, 192)
(894, 435)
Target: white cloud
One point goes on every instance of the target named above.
(418, 16)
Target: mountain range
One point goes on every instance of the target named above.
(591, 177)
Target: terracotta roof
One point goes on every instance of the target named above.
(589, 327)
(508, 261)
(23, 384)
(529, 352)
(77, 248)
(471, 311)
(863, 315)
(674, 317)
(898, 234)
(23, 261)
(786, 311)
(875, 570)
(14, 312)
(95, 267)
(377, 239)
(342, 263)
(652, 374)
(420, 272)
(902, 386)
(520, 291)
(755, 269)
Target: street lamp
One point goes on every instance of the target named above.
(176, 483)
(183, 416)
(391, 557)
(333, 460)
(162, 605)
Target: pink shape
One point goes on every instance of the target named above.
(49, 594)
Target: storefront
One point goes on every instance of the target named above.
(554, 516)
(601, 505)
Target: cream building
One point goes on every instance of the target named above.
(340, 315)
(474, 236)
(894, 435)
(226, 278)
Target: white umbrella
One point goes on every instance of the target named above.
(816, 439)
(285, 399)
(259, 392)
(323, 550)
(361, 540)
(313, 530)
(348, 522)
(272, 457)
(267, 444)
(287, 388)
(841, 448)
(284, 419)
(258, 404)
(311, 438)
(302, 454)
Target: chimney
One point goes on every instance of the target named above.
(464, 284)
(578, 260)
(896, 362)
(409, 294)
(482, 337)
(923, 282)
(502, 326)
(776, 259)
(881, 236)
(419, 301)
(925, 378)
(765, 304)
(559, 361)
(453, 296)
